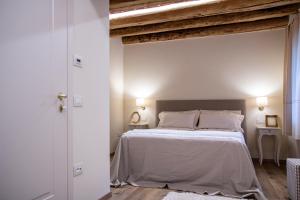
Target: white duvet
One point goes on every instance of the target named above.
(196, 134)
(197, 161)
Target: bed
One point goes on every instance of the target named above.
(201, 161)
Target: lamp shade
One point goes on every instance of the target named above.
(262, 101)
(140, 102)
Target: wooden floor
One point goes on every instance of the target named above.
(271, 177)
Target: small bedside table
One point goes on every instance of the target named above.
(272, 131)
(141, 125)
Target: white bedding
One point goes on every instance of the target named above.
(197, 134)
(198, 161)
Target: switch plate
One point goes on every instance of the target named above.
(77, 169)
(77, 61)
(77, 101)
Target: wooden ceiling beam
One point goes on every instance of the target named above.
(209, 9)
(209, 31)
(117, 6)
(207, 21)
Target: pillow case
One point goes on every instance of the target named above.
(230, 111)
(179, 120)
(225, 120)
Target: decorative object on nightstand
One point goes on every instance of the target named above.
(261, 102)
(271, 131)
(293, 178)
(140, 125)
(271, 121)
(135, 117)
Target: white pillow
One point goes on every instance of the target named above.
(179, 120)
(213, 111)
(224, 120)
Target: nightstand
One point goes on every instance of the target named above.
(271, 131)
(140, 125)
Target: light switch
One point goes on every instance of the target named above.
(77, 169)
(77, 101)
(77, 61)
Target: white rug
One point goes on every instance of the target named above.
(193, 196)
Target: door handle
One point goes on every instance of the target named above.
(61, 96)
(61, 108)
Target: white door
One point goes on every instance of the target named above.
(33, 70)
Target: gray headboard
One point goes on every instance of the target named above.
(182, 105)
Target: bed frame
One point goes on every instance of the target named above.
(183, 105)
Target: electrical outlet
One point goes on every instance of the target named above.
(77, 169)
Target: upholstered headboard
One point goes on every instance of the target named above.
(182, 105)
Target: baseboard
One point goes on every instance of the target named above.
(107, 196)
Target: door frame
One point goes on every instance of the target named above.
(70, 178)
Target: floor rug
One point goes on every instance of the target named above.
(193, 196)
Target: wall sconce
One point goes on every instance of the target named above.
(261, 102)
(140, 103)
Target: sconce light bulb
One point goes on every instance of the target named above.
(140, 103)
(261, 102)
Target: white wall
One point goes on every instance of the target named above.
(240, 66)
(90, 39)
(116, 92)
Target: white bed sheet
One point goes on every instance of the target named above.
(201, 134)
(198, 161)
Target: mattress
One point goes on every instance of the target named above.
(203, 161)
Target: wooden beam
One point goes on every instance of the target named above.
(117, 6)
(206, 21)
(208, 31)
(213, 8)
